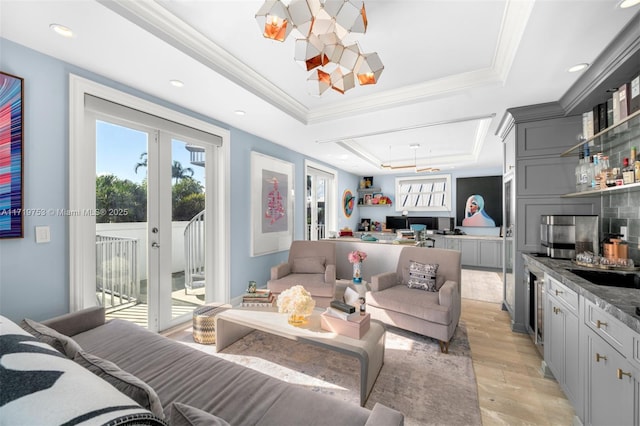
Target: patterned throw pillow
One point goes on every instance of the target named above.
(422, 276)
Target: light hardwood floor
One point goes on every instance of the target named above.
(511, 389)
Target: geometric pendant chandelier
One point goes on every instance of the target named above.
(326, 45)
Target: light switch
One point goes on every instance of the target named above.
(623, 231)
(43, 234)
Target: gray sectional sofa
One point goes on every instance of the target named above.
(183, 377)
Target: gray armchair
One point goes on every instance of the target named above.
(311, 264)
(430, 313)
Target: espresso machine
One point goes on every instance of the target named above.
(562, 236)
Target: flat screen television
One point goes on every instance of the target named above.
(396, 222)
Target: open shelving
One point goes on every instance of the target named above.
(607, 135)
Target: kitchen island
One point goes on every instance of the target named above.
(481, 251)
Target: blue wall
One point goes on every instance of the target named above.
(34, 278)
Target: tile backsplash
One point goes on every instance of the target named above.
(623, 209)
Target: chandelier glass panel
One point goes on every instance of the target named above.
(327, 45)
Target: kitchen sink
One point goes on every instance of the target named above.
(609, 278)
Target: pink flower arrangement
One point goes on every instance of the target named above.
(357, 256)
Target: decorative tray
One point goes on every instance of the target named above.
(606, 267)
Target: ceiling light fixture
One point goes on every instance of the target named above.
(327, 47)
(62, 30)
(239, 112)
(629, 3)
(578, 67)
(176, 83)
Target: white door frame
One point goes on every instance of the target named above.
(82, 194)
(331, 210)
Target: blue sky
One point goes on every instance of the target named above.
(118, 151)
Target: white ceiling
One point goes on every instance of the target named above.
(452, 68)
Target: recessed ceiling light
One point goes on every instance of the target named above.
(578, 67)
(176, 83)
(628, 3)
(62, 30)
(239, 112)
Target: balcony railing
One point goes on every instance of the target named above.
(194, 253)
(117, 283)
(320, 231)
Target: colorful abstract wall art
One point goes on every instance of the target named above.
(11, 162)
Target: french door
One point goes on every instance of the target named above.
(320, 202)
(150, 222)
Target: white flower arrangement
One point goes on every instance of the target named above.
(296, 300)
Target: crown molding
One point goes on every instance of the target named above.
(514, 21)
(617, 64)
(507, 123)
(157, 20)
(404, 95)
(536, 112)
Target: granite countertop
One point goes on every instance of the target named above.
(619, 302)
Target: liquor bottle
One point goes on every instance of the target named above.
(579, 169)
(590, 172)
(627, 172)
(584, 169)
(605, 179)
(595, 174)
(617, 171)
(636, 167)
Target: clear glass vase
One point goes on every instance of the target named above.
(297, 320)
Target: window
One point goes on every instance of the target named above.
(423, 193)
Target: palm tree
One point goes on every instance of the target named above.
(178, 172)
(143, 161)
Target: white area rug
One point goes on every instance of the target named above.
(482, 285)
(429, 387)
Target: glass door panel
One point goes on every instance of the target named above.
(121, 221)
(188, 195)
(318, 186)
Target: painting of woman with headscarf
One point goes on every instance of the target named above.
(474, 214)
(479, 201)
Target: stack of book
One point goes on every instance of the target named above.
(262, 298)
(405, 236)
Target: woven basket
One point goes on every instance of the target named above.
(204, 322)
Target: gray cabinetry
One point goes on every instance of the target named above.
(561, 338)
(489, 254)
(541, 132)
(452, 243)
(609, 398)
(611, 378)
(485, 253)
(469, 249)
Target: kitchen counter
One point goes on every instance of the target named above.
(388, 237)
(619, 302)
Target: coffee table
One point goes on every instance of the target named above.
(233, 324)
